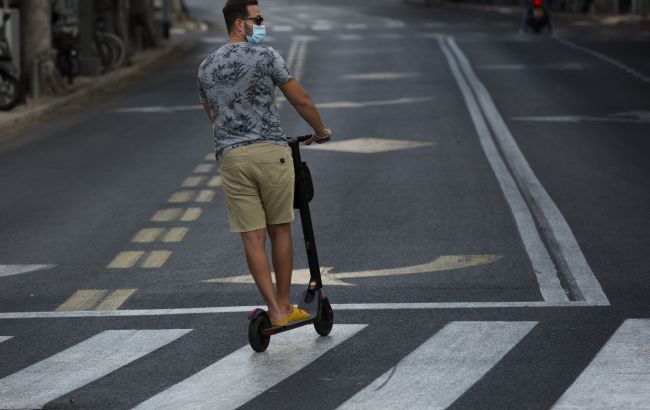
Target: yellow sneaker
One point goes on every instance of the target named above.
(296, 314)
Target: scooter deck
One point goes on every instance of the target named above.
(279, 329)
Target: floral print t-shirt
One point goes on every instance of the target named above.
(238, 82)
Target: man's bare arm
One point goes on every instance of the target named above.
(302, 102)
(206, 108)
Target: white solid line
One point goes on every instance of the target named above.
(618, 377)
(363, 104)
(440, 370)
(543, 267)
(342, 306)
(559, 236)
(244, 374)
(36, 385)
(9, 270)
(605, 58)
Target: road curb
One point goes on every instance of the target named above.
(140, 64)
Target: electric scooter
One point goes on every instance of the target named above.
(313, 299)
(536, 17)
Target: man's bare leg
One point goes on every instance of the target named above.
(258, 264)
(282, 254)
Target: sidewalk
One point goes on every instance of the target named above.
(628, 20)
(84, 87)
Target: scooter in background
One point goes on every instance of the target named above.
(11, 91)
(536, 17)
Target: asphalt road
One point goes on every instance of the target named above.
(481, 218)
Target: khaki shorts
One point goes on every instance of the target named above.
(258, 182)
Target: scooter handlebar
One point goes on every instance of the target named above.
(301, 138)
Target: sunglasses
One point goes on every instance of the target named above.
(258, 20)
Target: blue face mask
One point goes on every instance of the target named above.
(259, 32)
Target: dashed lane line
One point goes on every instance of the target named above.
(98, 299)
(125, 259)
(155, 259)
(175, 234)
(147, 235)
(204, 168)
(215, 182)
(174, 214)
(193, 182)
(204, 195)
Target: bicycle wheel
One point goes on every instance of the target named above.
(117, 47)
(10, 91)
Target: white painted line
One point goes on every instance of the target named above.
(389, 36)
(181, 196)
(167, 215)
(204, 168)
(618, 377)
(191, 214)
(344, 306)
(605, 58)
(349, 37)
(631, 117)
(392, 23)
(244, 374)
(205, 195)
(379, 76)
(281, 29)
(296, 58)
(439, 371)
(541, 261)
(9, 270)
(36, 385)
(5, 338)
(364, 104)
(559, 236)
(356, 26)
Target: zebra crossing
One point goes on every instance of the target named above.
(432, 376)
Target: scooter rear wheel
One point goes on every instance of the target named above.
(258, 340)
(325, 319)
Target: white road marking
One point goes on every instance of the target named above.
(356, 26)
(605, 58)
(281, 29)
(244, 374)
(160, 108)
(559, 236)
(618, 377)
(246, 309)
(541, 261)
(349, 37)
(440, 370)
(296, 58)
(441, 264)
(389, 36)
(10, 270)
(633, 117)
(213, 40)
(364, 104)
(392, 23)
(36, 385)
(5, 338)
(368, 145)
(551, 66)
(321, 25)
(379, 76)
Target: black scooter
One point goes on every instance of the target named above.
(313, 299)
(11, 92)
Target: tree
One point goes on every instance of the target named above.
(36, 24)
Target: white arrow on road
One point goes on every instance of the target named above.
(9, 270)
(442, 263)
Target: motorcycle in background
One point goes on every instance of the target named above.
(536, 17)
(11, 91)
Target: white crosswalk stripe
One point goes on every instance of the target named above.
(433, 376)
(619, 376)
(443, 368)
(36, 385)
(245, 374)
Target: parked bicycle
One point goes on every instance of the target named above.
(107, 46)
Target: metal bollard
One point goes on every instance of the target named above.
(36, 79)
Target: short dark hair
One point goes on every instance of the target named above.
(236, 9)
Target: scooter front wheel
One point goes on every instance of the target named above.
(257, 337)
(325, 319)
